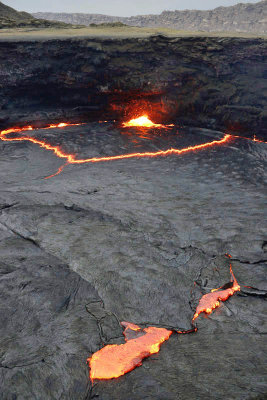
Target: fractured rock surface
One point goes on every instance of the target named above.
(46, 331)
(138, 240)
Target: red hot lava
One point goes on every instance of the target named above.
(212, 300)
(115, 360)
(143, 122)
(71, 158)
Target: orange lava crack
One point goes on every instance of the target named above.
(41, 143)
(171, 151)
(212, 300)
(70, 158)
(143, 121)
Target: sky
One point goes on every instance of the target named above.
(124, 8)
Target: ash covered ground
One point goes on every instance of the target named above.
(139, 240)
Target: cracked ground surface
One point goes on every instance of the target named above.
(137, 240)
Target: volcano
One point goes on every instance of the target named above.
(132, 209)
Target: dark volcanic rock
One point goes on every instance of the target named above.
(46, 333)
(138, 239)
(209, 82)
(141, 240)
(152, 290)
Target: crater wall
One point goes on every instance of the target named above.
(217, 83)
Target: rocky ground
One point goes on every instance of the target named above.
(126, 240)
(249, 17)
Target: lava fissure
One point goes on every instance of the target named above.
(212, 300)
(193, 330)
(141, 122)
(60, 169)
(71, 159)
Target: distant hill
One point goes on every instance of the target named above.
(10, 18)
(249, 17)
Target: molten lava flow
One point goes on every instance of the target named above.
(57, 173)
(194, 329)
(70, 158)
(255, 139)
(168, 152)
(116, 360)
(211, 300)
(30, 128)
(144, 122)
(41, 143)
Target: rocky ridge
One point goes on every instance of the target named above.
(10, 18)
(249, 17)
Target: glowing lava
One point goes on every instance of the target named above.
(71, 158)
(212, 300)
(41, 143)
(257, 140)
(144, 122)
(168, 152)
(116, 360)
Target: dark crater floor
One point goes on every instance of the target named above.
(126, 240)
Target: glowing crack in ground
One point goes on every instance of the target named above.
(71, 158)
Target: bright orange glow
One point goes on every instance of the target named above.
(41, 143)
(70, 158)
(257, 140)
(194, 329)
(130, 325)
(56, 173)
(116, 360)
(211, 300)
(168, 152)
(144, 122)
(113, 361)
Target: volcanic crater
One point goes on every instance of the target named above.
(132, 213)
